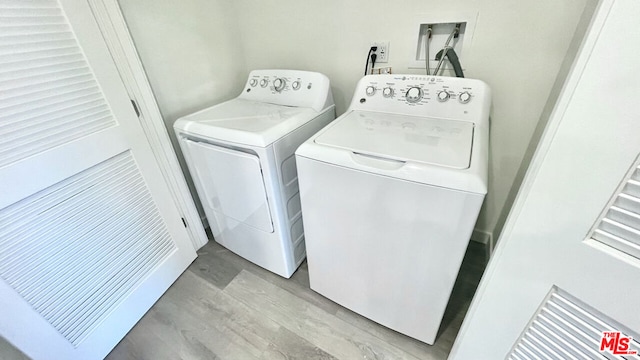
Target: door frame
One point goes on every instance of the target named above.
(123, 51)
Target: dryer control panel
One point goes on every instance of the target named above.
(289, 87)
(422, 95)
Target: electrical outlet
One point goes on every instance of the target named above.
(382, 52)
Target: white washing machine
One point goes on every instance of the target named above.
(241, 156)
(390, 193)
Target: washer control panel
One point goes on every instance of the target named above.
(289, 87)
(277, 83)
(423, 95)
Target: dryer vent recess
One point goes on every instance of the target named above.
(439, 34)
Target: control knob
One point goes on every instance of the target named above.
(278, 84)
(253, 82)
(414, 94)
(264, 82)
(464, 97)
(296, 85)
(387, 92)
(370, 90)
(443, 96)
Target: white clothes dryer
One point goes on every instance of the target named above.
(390, 193)
(241, 156)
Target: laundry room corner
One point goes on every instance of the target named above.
(337, 180)
(517, 48)
(209, 47)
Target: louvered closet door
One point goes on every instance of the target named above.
(89, 235)
(566, 272)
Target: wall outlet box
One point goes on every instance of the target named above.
(441, 27)
(382, 52)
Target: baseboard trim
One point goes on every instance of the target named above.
(205, 221)
(485, 238)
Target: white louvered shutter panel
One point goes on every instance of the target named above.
(87, 241)
(48, 93)
(565, 328)
(74, 258)
(619, 226)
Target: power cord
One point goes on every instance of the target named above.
(373, 57)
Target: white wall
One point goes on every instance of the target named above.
(517, 49)
(570, 56)
(191, 53)
(198, 53)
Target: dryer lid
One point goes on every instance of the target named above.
(246, 122)
(404, 138)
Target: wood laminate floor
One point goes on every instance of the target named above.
(224, 307)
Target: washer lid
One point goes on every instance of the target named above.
(404, 138)
(246, 122)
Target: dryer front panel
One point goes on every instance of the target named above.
(232, 185)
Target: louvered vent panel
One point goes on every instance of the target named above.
(564, 328)
(48, 94)
(619, 225)
(76, 249)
